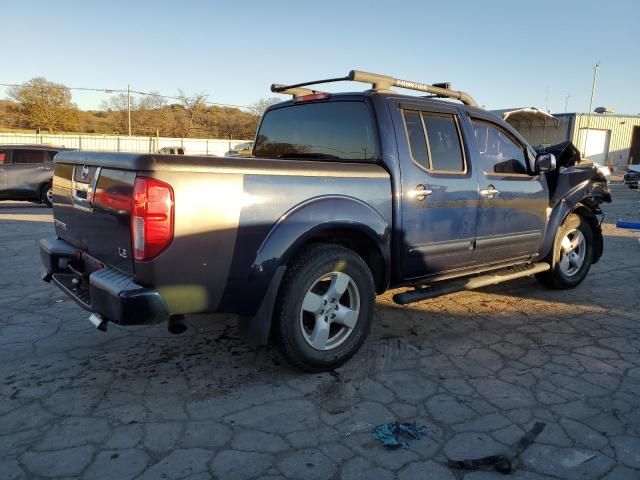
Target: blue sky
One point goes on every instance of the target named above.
(505, 53)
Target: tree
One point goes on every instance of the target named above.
(118, 104)
(152, 115)
(259, 107)
(46, 104)
(194, 107)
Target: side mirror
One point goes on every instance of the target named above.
(545, 162)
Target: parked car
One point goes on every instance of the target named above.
(242, 149)
(26, 172)
(632, 176)
(348, 195)
(171, 151)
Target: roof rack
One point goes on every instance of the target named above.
(379, 83)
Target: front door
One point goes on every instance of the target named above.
(513, 202)
(439, 191)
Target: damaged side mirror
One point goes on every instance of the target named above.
(545, 162)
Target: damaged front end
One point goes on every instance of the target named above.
(574, 178)
(575, 186)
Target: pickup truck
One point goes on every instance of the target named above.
(345, 196)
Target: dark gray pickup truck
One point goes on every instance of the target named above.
(345, 196)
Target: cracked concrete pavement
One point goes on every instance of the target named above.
(477, 368)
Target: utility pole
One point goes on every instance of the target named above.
(546, 99)
(593, 89)
(566, 100)
(129, 107)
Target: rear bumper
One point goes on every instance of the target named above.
(108, 292)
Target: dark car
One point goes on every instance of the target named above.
(632, 176)
(345, 196)
(26, 172)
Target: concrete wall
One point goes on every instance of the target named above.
(122, 143)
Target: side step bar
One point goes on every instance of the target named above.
(457, 285)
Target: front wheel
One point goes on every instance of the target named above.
(573, 254)
(46, 195)
(324, 307)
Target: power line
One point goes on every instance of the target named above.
(118, 90)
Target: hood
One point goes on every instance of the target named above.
(567, 155)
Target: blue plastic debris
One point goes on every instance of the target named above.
(629, 225)
(389, 433)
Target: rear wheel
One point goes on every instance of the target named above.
(324, 307)
(573, 254)
(46, 195)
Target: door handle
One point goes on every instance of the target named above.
(420, 192)
(490, 192)
(42, 168)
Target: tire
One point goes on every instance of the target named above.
(572, 266)
(46, 195)
(315, 327)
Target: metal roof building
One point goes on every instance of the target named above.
(610, 139)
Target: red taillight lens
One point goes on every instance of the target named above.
(312, 97)
(151, 218)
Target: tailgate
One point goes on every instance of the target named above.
(92, 211)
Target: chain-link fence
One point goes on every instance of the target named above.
(122, 143)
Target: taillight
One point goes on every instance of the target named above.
(151, 218)
(312, 97)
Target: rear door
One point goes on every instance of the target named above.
(27, 172)
(512, 210)
(439, 190)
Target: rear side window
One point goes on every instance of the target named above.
(30, 156)
(499, 152)
(3, 157)
(330, 131)
(440, 150)
(417, 140)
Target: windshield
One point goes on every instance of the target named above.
(329, 131)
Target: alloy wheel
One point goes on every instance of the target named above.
(330, 311)
(572, 252)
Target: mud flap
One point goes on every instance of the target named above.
(255, 330)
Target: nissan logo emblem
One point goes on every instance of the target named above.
(85, 172)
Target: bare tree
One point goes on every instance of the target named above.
(259, 107)
(152, 115)
(118, 105)
(194, 107)
(46, 104)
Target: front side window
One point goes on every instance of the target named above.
(440, 150)
(499, 152)
(326, 131)
(30, 156)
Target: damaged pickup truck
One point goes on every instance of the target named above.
(345, 196)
